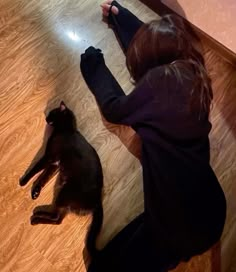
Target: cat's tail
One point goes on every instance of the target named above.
(94, 230)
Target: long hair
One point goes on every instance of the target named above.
(170, 41)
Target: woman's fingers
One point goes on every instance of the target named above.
(114, 10)
(106, 8)
(105, 12)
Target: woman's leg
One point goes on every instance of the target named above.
(109, 258)
(131, 250)
(125, 24)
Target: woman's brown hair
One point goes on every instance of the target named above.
(170, 41)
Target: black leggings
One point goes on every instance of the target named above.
(133, 250)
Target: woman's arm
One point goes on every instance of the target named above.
(125, 23)
(114, 104)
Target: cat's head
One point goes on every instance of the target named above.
(62, 118)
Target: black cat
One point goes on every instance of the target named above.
(80, 175)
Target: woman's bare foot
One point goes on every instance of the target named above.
(106, 8)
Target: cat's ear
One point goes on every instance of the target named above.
(62, 106)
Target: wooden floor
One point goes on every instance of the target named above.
(40, 46)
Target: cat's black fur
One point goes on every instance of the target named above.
(80, 175)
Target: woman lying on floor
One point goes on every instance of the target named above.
(169, 107)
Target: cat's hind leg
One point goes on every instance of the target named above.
(42, 180)
(47, 216)
(53, 214)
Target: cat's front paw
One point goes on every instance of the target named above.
(35, 191)
(23, 181)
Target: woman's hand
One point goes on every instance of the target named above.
(106, 8)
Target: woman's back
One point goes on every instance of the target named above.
(184, 198)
